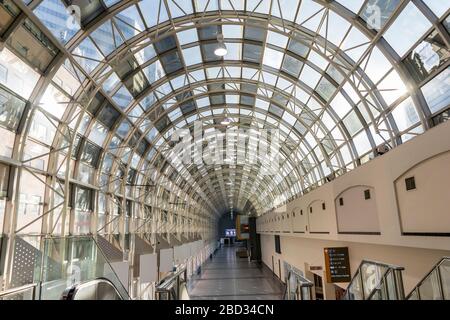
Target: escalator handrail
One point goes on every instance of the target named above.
(71, 292)
(419, 284)
(286, 285)
(111, 267)
(377, 263)
(304, 283)
(378, 287)
(165, 283)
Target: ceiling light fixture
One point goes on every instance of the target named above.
(221, 49)
(226, 120)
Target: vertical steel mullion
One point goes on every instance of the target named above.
(441, 285)
(362, 285)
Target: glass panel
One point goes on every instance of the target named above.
(377, 12)
(438, 7)
(129, 22)
(354, 291)
(428, 56)
(414, 295)
(371, 277)
(402, 34)
(405, 115)
(389, 286)
(444, 270)
(30, 203)
(87, 55)
(26, 294)
(54, 15)
(154, 11)
(437, 91)
(107, 38)
(71, 261)
(11, 109)
(429, 289)
(16, 74)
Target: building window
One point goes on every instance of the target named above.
(410, 183)
(367, 194)
(301, 212)
(341, 201)
(323, 206)
(310, 209)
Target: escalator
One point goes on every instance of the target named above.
(88, 267)
(75, 264)
(173, 287)
(297, 287)
(98, 289)
(376, 281)
(435, 285)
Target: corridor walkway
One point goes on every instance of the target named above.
(229, 277)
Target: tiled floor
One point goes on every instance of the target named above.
(229, 277)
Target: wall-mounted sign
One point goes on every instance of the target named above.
(242, 227)
(337, 265)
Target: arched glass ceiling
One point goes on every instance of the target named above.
(97, 102)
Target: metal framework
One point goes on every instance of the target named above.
(91, 149)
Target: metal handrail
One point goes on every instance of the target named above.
(303, 283)
(399, 290)
(376, 263)
(20, 289)
(419, 284)
(166, 286)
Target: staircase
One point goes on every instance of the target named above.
(376, 281)
(435, 285)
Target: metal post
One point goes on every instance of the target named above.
(398, 280)
(362, 285)
(439, 277)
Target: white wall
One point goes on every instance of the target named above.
(381, 174)
(357, 214)
(427, 208)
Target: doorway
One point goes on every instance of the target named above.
(318, 287)
(339, 292)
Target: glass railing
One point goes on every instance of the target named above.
(374, 280)
(27, 292)
(173, 287)
(69, 261)
(387, 288)
(297, 287)
(435, 285)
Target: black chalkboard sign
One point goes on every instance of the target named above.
(337, 264)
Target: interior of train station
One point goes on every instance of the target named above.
(224, 150)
